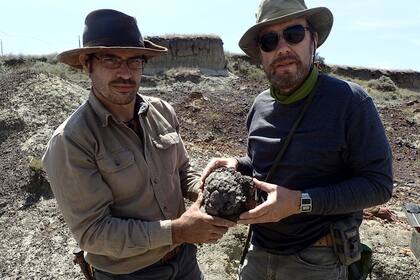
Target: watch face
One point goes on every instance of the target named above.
(306, 208)
(306, 201)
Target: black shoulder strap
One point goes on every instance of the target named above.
(284, 144)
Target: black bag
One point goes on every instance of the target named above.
(346, 240)
(350, 251)
(362, 269)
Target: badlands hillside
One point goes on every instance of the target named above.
(211, 93)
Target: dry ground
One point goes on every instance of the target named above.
(36, 243)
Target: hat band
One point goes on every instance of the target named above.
(111, 42)
(270, 16)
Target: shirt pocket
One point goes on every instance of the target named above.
(165, 141)
(115, 162)
(167, 150)
(119, 171)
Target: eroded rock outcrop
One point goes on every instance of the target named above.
(204, 52)
(402, 78)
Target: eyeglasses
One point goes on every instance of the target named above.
(292, 35)
(115, 62)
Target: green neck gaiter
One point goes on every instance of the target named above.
(300, 93)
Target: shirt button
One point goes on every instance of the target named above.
(156, 180)
(165, 208)
(117, 163)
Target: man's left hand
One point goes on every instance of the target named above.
(281, 203)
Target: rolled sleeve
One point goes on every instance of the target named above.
(160, 233)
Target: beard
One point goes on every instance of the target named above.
(287, 80)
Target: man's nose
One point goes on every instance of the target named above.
(282, 45)
(124, 71)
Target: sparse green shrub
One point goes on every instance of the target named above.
(215, 117)
(245, 69)
(38, 184)
(57, 69)
(384, 83)
(14, 61)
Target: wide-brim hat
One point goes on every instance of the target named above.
(279, 11)
(107, 29)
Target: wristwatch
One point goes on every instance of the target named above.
(305, 203)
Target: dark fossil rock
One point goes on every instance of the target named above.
(227, 194)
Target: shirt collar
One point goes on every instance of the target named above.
(142, 107)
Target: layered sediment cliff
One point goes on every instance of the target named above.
(196, 51)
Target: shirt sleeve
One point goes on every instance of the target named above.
(85, 200)
(369, 160)
(245, 162)
(245, 165)
(190, 178)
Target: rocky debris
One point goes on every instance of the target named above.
(227, 193)
(382, 213)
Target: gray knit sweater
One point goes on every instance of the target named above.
(339, 154)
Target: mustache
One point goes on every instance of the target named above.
(282, 59)
(123, 81)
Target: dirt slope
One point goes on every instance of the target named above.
(36, 243)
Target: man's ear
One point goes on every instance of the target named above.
(85, 62)
(315, 38)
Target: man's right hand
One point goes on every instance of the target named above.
(215, 163)
(195, 226)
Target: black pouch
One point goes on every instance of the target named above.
(346, 240)
(362, 269)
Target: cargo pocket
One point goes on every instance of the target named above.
(166, 145)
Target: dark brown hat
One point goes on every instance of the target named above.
(109, 29)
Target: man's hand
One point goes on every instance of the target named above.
(281, 203)
(215, 163)
(195, 226)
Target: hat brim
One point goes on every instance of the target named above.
(320, 18)
(71, 57)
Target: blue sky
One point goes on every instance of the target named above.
(370, 33)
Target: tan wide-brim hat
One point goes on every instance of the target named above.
(111, 30)
(272, 12)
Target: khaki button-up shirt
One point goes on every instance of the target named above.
(118, 192)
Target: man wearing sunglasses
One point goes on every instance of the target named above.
(118, 167)
(336, 163)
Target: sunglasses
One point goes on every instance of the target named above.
(115, 62)
(292, 35)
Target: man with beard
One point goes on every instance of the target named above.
(338, 160)
(118, 167)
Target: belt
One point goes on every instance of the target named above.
(325, 241)
(170, 255)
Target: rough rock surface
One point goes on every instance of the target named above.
(227, 193)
